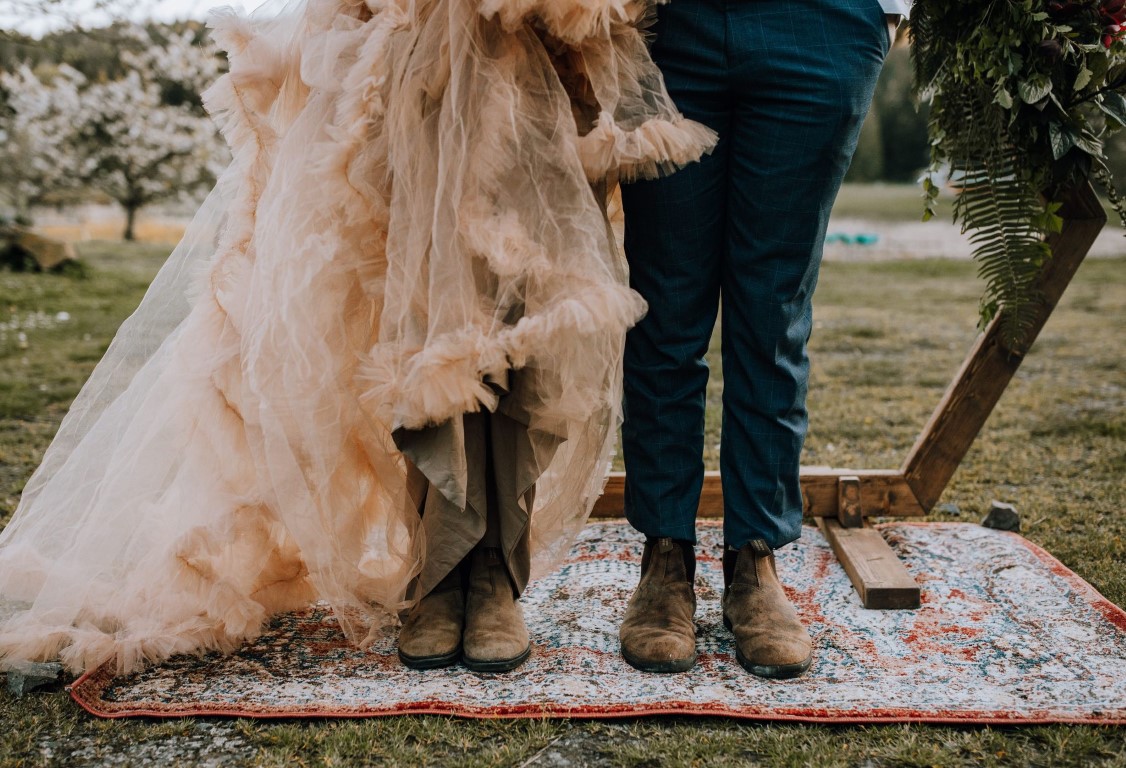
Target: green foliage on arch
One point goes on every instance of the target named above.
(1024, 94)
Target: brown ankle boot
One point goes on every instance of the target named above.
(496, 639)
(431, 635)
(769, 639)
(658, 633)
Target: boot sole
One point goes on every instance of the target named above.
(431, 662)
(770, 671)
(675, 665)
(497, 665)
(773, 671)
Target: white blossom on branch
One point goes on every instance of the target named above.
(139, 150)
(141, 138)
(36, 127)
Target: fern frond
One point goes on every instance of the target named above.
(998, 201)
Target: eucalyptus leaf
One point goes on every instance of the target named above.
(1004, 99)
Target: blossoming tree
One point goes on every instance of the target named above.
(141, 139)
(34, 135)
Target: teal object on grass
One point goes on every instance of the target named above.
(864, 238)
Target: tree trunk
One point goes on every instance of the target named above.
(130, 220)
(23, 209)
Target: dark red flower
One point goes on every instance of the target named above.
(1113, 10)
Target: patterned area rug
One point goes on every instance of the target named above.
(1006, 634)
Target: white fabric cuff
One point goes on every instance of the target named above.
(901, 7)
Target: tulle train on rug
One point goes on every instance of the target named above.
(1006, 634)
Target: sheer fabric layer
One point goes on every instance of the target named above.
(409, 215)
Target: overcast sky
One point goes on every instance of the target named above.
(12, 17)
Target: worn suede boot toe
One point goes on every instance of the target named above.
(658, 633)
(431, 635)
(496, 638)
(770, 640)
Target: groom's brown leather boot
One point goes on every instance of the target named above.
(770, 640)
(658, 633)
(496, 639)
(431, 635)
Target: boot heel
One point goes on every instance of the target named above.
(496, 638)
(658, 633)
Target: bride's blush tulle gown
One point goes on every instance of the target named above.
(414, 213)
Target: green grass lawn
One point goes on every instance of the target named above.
(888, 338)
(886, 202)
(904, 202)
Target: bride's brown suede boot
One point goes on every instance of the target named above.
(770, 640)
(495, 639)
(431, 635)
(658, 633)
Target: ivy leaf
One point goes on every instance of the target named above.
(1033, 91)
(1098, 66)
(1062, 138)
(1115, 72)
(1048, 220)
(1114, 105)
(1089, 143)
(1083, 78)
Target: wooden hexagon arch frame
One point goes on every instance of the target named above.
(830, 494)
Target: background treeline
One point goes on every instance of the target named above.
(893, 145)
(107, 114)
(96, 53)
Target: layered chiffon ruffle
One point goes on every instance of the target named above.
(415, 210)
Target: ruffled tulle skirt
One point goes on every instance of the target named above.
(415, 211)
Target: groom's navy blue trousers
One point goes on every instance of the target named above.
(786, 84)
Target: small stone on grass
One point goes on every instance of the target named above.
(1002, 517)
(28, 677)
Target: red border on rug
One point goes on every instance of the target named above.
(87, 688)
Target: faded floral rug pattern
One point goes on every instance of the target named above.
(1005, 634)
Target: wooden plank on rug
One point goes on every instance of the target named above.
(881, 580)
